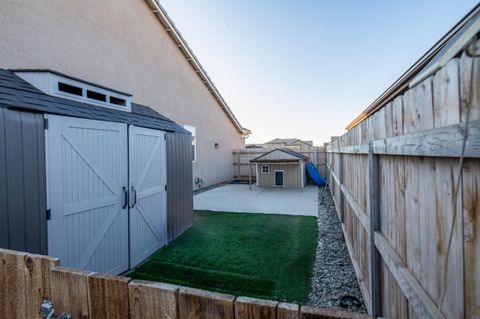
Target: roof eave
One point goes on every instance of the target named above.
(172, 30)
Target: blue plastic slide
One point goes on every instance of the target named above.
(315, 175)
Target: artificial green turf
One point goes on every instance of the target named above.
(257, 255)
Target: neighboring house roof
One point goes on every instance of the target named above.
(445, 49)
(282, 141)
(289, 141)
(280, 154)
(16, 93)
(192, 59)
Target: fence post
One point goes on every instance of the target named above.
(331, 181)
(374, 211)
(238, 165)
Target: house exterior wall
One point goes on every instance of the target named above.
(121, 44)
(179, 192)
(23, 223)
(291, 178)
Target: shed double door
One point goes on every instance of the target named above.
(96, 221)
(148, 175)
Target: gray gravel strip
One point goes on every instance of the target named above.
(333, 273)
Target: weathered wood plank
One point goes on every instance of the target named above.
(12, 283)
(398, 198)
(252, 308)
(288, 311)
(448, 208)
(412, 222)
(37, 282)
(469, 87)
(427, 226)
(397, 116)
(424, 105)
(417, 296)
(471, 230)
(441, 142)
(388, 119)
(374, 213)
(200, 304)
(151, 300)
(315, 313)
(70, 291)
(446, 95)
(378, 124)
(362, 281)
(355, 206)
(108, 296)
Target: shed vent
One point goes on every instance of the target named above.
(58, 84)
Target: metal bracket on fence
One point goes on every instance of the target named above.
(48, 312)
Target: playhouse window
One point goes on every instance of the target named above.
(265, 169)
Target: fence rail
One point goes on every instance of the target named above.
(26, 280)
(407, 193)
(242, 158)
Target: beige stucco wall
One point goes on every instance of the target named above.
(291, 176)
(122, 45)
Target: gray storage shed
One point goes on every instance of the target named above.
(281, 167)
(86, 175)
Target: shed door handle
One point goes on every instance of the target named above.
(125, 193)
(134, 197)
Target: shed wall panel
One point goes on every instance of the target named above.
(22, 182)
(179, 181)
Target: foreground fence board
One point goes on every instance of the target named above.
(287, 311)
(38, 278)
(108, 296)
(313, 313)
(200, 304)
(70, 291)
(87, 295)
(12, 279)
(149, 300)
(251, 308)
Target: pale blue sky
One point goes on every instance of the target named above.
(307, 68)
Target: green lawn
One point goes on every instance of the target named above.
(257, 255)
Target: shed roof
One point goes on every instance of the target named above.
(16, 93)
(280, 154)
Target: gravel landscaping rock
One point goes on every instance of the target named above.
(334, 282)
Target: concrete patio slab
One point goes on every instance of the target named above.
(239, 198)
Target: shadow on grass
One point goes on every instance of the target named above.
(257, 255)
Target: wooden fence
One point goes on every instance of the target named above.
(410, 210)
(242, 157)
(26, 280)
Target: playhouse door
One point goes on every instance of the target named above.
(87, 181)
(279, 178)
(148, 218)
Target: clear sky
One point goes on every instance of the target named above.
(290, 68)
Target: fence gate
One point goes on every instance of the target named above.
(148, 218)
(86, 181)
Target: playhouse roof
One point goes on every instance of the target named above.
(280, 154)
